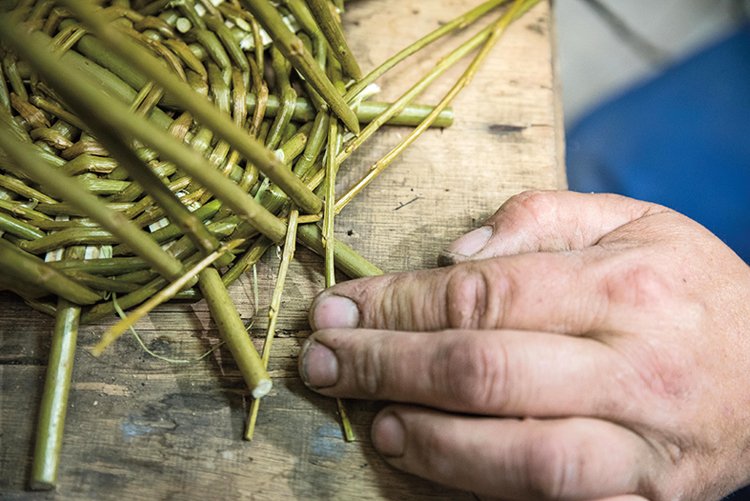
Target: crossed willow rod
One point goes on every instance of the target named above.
(81, 93)
(84, 96)
(199, 106)
(25, 158)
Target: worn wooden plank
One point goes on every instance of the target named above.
(139, 428)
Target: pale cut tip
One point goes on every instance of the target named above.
(262, 388)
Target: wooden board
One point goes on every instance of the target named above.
(139, 428)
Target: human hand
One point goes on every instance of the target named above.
(583, 347)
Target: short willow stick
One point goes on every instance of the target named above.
(233, 332)
(496, 30)
(199, 106)
(25, 157)
(49, 433)
(294, 50)
(117, 330)
(273, 310)
(331, 28)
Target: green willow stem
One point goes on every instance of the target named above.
(347, 260)
(366, 111)
(24, 155)
(16, 185)
(204, 110)
(247, 260)
(294, 50)
(233, 332)
(496, 31)
(23, 267)
(273, 311)
(19, 228)
(282, 70)
(331, 28)
(107, 267)
(53, 407)
(457, 23)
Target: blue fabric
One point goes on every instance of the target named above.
(681, 139)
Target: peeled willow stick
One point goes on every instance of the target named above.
(497, 30)
(25, 157)
(331, 28)
(117, 330)
(233, 332)
(294, 50)
(273, 310)
(203, 110)
(49, 433)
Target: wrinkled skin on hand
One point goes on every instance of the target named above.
(581, 347)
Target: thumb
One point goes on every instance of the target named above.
(546, 221)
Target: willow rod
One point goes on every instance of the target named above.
(53, 407)
(203, 110)
(294, 50)
(331, 28)
(273, 310)
(233, 332)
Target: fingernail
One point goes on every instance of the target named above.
(319, 366)
(389, 435)
(467, 245)
(331, 311)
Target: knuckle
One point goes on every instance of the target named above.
(551, 470)
(474, 375)
(533, 204)
(470, 296)
(368, 371)
(638, 285)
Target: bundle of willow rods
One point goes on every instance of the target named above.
(152, 150)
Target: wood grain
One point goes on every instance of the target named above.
(139, 428)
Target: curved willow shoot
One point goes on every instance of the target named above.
(457, 23)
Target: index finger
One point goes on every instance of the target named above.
(552, 292)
